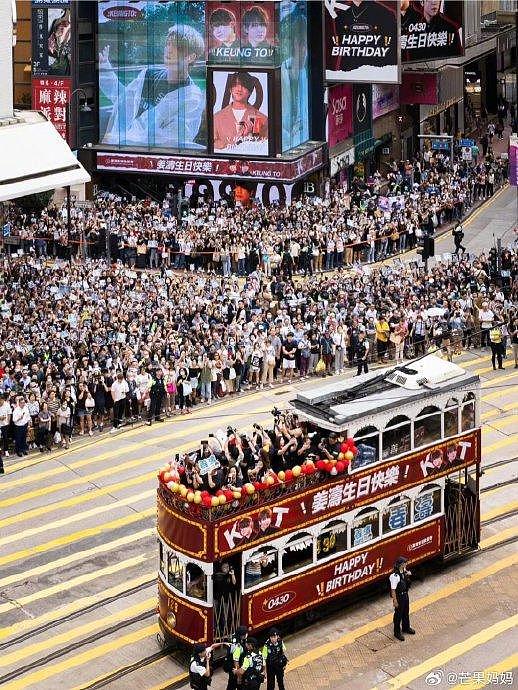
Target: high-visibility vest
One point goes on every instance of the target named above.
(495, 335)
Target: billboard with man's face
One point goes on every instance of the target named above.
(362, 41)
(242, 33)
(431, 29)
(152, 74)
(51, 38)
(240, 112)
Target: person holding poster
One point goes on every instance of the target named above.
(239, 124)
(162, 106)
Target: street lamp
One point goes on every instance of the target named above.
(85, 108)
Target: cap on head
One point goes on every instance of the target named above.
(199, 648)
(400, 561)
(272, 632)
(242, 631)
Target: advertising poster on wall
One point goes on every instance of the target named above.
(362, 41)
(513, 160)
(51, 95)
(339, 114)
(240, 112)
(242, 33)
(385, 98)
(294, 73)
(152, 74)
(431, 29)
(51, 38)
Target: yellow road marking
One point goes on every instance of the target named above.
(446, 591)
(77, 536)
(506, 421)
(75, 582)
(78, 660)
(498, 410)
(500, 444)
(453, 652)
(485, 205)
(98, 510)
(495, 512)
(77, 556)
(499, 537)
(508, 664)
(69, 635)
(75, 606)
(498, 379)
(160, 686)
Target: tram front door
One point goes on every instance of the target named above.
(227, 598)
(462, 514)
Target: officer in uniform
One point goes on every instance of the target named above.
(497, 345)
(399, 584)
(274, 655)
(362, 352)
(235, 654)
(200, 671)
(251, 669)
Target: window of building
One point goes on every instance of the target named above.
(365, 526)
(427, 426)
(367, 440)
(428, 502)
(468, 412)
(332, 539)
(261, 565)
(396, 437)
(396, 515)
(175, 572)
(298, 552)
(195, 582)
(451, 418)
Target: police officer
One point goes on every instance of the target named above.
(251, 669)
(200, 671)
(497, 345)
(274, 655)
(362, 352)
(156, 396)
(235, 654)
(399, 584)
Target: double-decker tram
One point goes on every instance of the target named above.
(380, 466)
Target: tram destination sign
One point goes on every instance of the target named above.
(269, 521)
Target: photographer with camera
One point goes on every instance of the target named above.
(274, 655)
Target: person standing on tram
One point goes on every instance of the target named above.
(399, 584)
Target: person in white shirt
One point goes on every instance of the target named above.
(21, 419)
(486, 317)
(119, 390)
(5, 418)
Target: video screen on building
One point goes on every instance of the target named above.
(431, 29)
(51, 39)
(240, 113)
(361, 41)
(152, 74)
(242, 33)
(295, 104)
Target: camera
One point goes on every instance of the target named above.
(230, 431)
(276, 413)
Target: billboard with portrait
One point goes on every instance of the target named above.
(294, 73)
(152, 74)
(240, 113)
(431, 29)
(242, 33)
(362, 41)
(51, 39)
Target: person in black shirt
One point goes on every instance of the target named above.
(289, 351)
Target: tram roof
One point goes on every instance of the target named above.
(335, 405)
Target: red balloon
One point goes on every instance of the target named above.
(288, 476)
(228, 494)
(257, 485)
(346, 462)
(205, 493)
(311, 469)
(354, 450)
(344, 447)
(206, 500)
(340, 467)
(321, 465)
(219, 492)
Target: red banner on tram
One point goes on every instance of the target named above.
(351, 491)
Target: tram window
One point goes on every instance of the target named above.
(396, 437)
(332, 539)
(427, 503)
(175, 572)
(261, 565)
(195, 582)
(298, 552)
(367, 440)
(365, 526)
(451, 418)
(396, 515)
(468, 412)
(427, 426)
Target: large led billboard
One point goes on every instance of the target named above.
(362, 41)
(431, 29)
(152, 74)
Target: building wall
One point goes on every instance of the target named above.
(22, 57)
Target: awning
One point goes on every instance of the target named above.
(34, 158)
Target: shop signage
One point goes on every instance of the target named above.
(340, 114)
(513, 160)
(212, 167)
(51, 96)
(359, 488)
(419, 88)
(385, 98)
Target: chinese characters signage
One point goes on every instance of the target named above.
(340, 114)
(51, 97)
(431, 29)
(347, 493)
(361, 41)
(212, 167)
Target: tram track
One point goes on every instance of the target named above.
(498, 485)
(498, 518)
